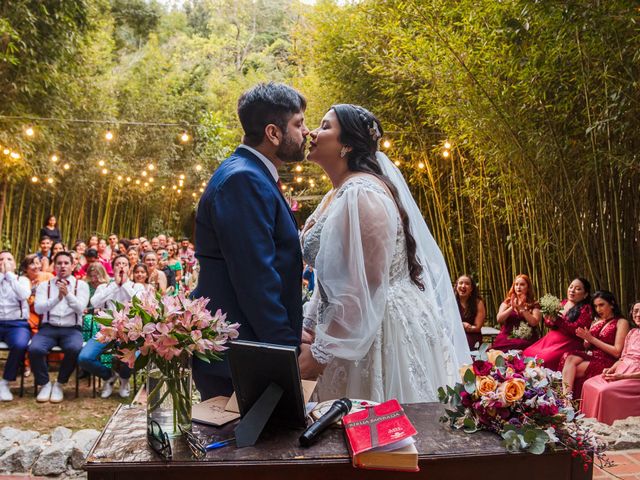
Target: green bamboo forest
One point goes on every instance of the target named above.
(517, 123)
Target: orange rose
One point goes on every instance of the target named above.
(512, 390)
(485, 385)
(492, 355)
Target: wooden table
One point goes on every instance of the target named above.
(121, 453)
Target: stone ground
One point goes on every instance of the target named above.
(627, 465)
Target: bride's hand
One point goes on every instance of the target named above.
(307, 336)
(310, 369)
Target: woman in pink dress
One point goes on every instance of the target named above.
(603, 342)
(614, 394)
(519, 316)
(576, 313)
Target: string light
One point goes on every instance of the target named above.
(198, 168)
(15, 155)
(201, 190)
(128, 179)
(146, 184)
(108, 136)
(181, 177)
(66, 166)
(137, 182)
(298, 168)
(445, 154)
(50, 181)
(204, 184)
(193, 194)
(184, 138)
(119, 178)
(162, 187)
(6, 151)
(421, 165)
(54, 158)
(29, 131)
(299, 179)
(181, 182)
(284, 187)
(324, 177)
(447, 145)
(397, 162)
(179, 191)
(34, 179)
(151, 166)
(101, 163)
(386, 144)
(105, 171)
(174, 187)
(151, 179)
(144, 173)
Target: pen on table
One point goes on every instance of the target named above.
(220, 444)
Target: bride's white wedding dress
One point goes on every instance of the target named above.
(374, 328)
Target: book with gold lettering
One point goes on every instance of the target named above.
(381, 437)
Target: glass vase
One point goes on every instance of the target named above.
(169, 394)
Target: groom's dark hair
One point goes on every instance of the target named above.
(267, 103)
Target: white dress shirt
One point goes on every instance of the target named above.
(268, 163)
(107, 293)
(14, 292)
(65, 312)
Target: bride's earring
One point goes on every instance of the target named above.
(343, 152)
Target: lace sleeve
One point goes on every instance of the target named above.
(353, 263)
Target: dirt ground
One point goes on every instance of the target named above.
(74, 413)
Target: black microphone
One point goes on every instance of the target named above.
(338, 410)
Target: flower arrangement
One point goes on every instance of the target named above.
(550, 306)
(521, 401)
(523, 331)
(167, 331)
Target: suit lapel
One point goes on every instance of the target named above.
(243, 152)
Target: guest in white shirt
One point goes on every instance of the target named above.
(61, 302)
(120, 290)
(14, 327)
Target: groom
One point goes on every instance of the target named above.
(246, 236)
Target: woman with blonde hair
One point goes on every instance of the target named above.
(519, 316)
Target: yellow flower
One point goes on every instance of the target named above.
(485, 385)
(492, 355)
(512, 390)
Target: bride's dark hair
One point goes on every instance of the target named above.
(361, 130)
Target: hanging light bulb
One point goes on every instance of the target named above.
(193, 194)
(144, 173)
(447, 145)
(445, 154)
(184, 138)
(34, 179)
(175, 187)
(284, 187)
(179, 191)
(105, 171)
(204, 184)
(6, 151)
(101, 163)
(201, 190)
(128, 179)
(54, 158)
(50, 181)
(151, 179)
(146, 184)
(151, 167)
(162, 187)
(15, 155)
(298, 168)
(421, 165)
(198, 168)
(108, 136)
(397, 162)
(119, 178)
(386, 144)
(181, 182)
(181, 177)
(137, 182)
(29, 131)
(66, 166)
(299, 179)
(324, 177)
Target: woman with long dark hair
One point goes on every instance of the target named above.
(562, 338)
(603, 343)
(472, 309)
(383, 317)
(51, 230)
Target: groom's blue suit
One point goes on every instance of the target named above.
(250, 261)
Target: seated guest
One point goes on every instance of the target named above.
(472, 310)
(121, 290)
(170, 274)
(519, 316)
(603, 342)
(80, 247)
(141, 276)
(14, 327)
(614, 394)
(157, 278)
(576, 313)
(44, 254)
(93, 257)
(104, 253)
(134, 256)
(61, 302)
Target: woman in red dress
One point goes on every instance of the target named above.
(519, 316)
(576, 313)
(472, 310)
(603, 342)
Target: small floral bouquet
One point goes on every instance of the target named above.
(521, 401)
(550, 306)
(523, 331)
(167, 331)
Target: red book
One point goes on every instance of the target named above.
(380, 437)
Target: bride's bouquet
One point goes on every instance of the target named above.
(550, 306)
(521, 401)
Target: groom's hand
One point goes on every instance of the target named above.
(310, 369)
(307, 337)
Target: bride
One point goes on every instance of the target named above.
(383, 322)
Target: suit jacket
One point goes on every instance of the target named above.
(249, 252)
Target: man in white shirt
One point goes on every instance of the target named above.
(61, 302)
(120, 290)
(14, 312)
